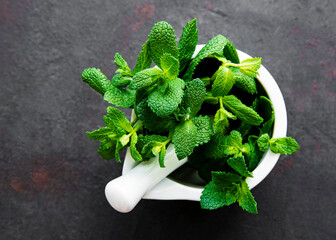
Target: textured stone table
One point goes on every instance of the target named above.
(52, 179)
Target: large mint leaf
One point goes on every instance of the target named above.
(242, 111)
(164, 103)
(170, 65)
(187, 43)
(184, 139)
(215, 45)
(123, 98)
(223, 82)
(144, 60)
(162, 40)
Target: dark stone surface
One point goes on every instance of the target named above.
(52, 179)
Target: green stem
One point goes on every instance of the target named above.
(134, 121)
(231, 65)
(167, 141)
(221, 103)
(137, 127)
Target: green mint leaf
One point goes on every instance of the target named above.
(134, 152)
(162, 156)
(120, 81)
(250, 66)
(118, 118)
(107, 149)
(151, 121)
(145, 78)
(245, 128)
(263, 142)
(285, 145)
(230, 52)
(223, 179)
(194, 96)
(243, 81)
(214, 197)
(96, 80)
(246, 200)
(123, 98)
(242, 111)
(221, 121)
(170, 65)
(204, 129)
(165, 103)
(119, 147)
(144, 139)
(233, 143)
(266, 108)
(187, 43)
(144, 60)
(255, 153)
(238, 164)
(122, 65)
(162, 40)
(216, 44)
(223, 82)
(222, 146)
(267, 111)
(184, 139)
(102, 133)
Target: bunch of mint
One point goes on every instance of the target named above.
(210, 107)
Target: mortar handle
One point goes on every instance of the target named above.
(124, 192)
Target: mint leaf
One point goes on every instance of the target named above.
(145, 78)
(263, 142)
(214, 197)
(144, 60)
(96, 80)
(123, 98)
(266, 109)
(102, 133)
(194, 96)
(255, 153)
(151, 121)
(170, 65)
(162, 156)
(120, 81)
(119, 147)
(107, 149)
(230, 52)
(204, 129)
(119, 119)
(250, 66)
(223, 82)
(285, 145)
(246, 200)
(184, 139)
(122, 65)
(245, 128)
(187, 43)
(162, 40)
(220, 121)
(238, 164)
(243, 81)
(223, 179)
(221, 146)
(243, 112)
(233, 143)
(164, 103)
(134, 152)
(216, 44)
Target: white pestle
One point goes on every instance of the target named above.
(124, 192)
